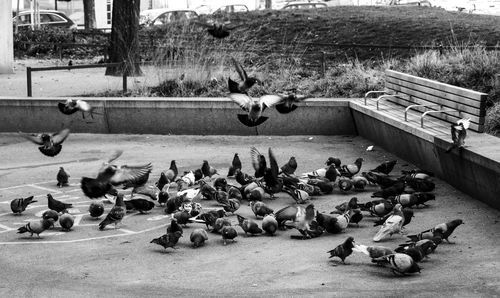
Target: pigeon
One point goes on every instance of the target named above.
(234, 193)
(382, 180)
(313, 231)
(19, 205)
(220, 184)
(249, 226)
(414, 199)
(228, 232)
(243, 178)
(325, 187)
(260, 209)
(172, 172)
(300, 216)
(56, 205)
(458, 134)
(149, 191)
(162, 181)
(393, 190)
(300, 196)
(96, 209)
(359, 182)
(373, 251)
(207, 169)
(208, 191)
(253, 107)
(407, 213)
(211, 217)
(218, 30)
(333, 161)
(168, 240)
(352, 169)
(182, 217)
(420, 185)
(418, 250)
(399, 263)
(232, 205)
(288, 102)
(290, 167)
(246, 81)
(66, 221)
(51, 143)
(220, 223)
(334, 224)
(235, 165)
(269, 224)
(386, 167)
(163, 198)
(174, 226)
(62, 177)
(392, 224)
(139, 204)
(351, 204)
(445, 229)
(112, 175)
(36, 227)
(378, 208)
(343, 250)
(198, 237)
(50, 214)
(71, 106)
(116, 213)
(222, 197)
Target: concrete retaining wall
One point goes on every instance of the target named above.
(192, 116)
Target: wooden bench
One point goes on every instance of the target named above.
(413, 99)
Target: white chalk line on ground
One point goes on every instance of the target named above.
(83, 239)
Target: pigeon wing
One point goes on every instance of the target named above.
(83, 106)
(35, 138)
(273, 163)
(270, 100)
(239, 69)
(255, 155)
(243, 100)
(59, 137)
(130, 173)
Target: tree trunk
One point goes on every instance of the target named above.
(89, 14)
(269, 4)
(124, 43)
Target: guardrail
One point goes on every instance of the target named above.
(29, 70)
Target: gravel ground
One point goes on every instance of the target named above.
(89, 262)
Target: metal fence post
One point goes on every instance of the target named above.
(124, 82)
(323, 64)
(28, 80)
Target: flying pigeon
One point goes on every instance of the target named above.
(218, 30)
(288, 102)
(112, 175)
(246, 81)
(254, 107)
(71, 106)
(51, 143)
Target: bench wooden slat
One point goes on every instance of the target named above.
(415, 100)
(475, 124)
(436, 96)
(474, 95)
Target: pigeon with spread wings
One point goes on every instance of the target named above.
(288, 102)
(71, 106)
(112, 175)
(218, 30)
(246, 81)
(51, 143)
(254, 107)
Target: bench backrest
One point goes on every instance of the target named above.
(471, 104)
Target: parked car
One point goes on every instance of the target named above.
(230, 9)
(51, 18)
(305, 5)
(411, 3)
(163, 16)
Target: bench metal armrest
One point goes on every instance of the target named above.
(416, 106)
(436, 111)
(386, 96)
(373, 92)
